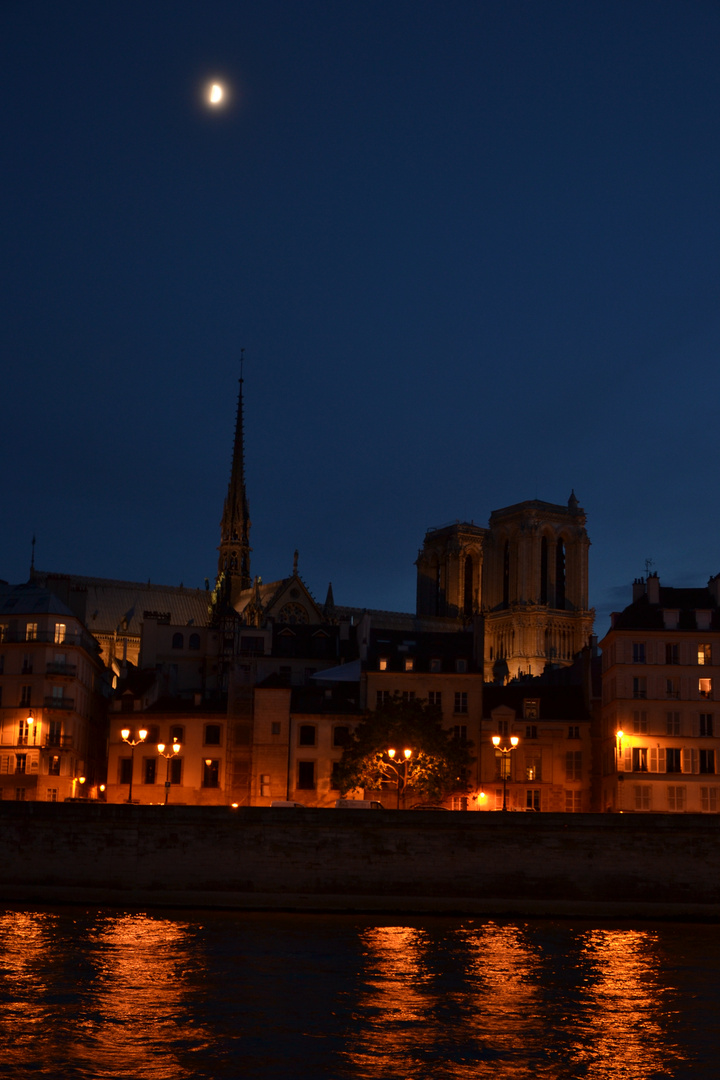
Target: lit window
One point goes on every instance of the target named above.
(704, 654)
(20, 763)
(409, 663)
(383, 663)
(60, 629)
(533, 766)
(705, 688)
(211, 773)
(639, 759)
(31, 631)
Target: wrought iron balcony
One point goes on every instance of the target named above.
(58, 742)
(55, 668)
(59, 703)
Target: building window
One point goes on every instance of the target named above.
(435, 665)
(60, 629)
(532, 799)
(673, 759)
(31, 631)
(707, 761)
(573, 765)
(408, 695)
(177, 734)
(211, 773)
(285, 675)
(383, 663)
(533, 766)
(638, 650)
(706, 724)
(212, 734)
(20, 794)
(671, 654)
(178, 641)
(20, 763)
(51, 794)
(176, 770)
(639, 759)
(25, 695)
(705, 688)
(461, 702)
(676, 798)
(381, 697)
(531, 731)
(672, 688)
(502, 727)
(573, 802)
(341, 735)
(672, 723)
(335, 776)
(435, 698)
(54, 735)
(409, 663)
(639, 722)
(54, 765)
(306, 775)
(194, 641)
(149, 768)
(461, 666)
(643, 796)
(275, 727)
(574, 731)
(459, 732)
(639, 686)
(124, 770)
(709, 799)
(704, 654)
(307, 735)
(531, 708)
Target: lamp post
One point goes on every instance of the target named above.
(132, 743)
(168, 757)
(32, 726)
(394, 766)
(503, 754)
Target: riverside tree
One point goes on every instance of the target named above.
(403, 744)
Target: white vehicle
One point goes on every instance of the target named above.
(280, 802)
(357, 804)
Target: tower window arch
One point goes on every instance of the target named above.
(178, 641)
(560, 573)
(468, 586)
(506, 574)
(543, 570)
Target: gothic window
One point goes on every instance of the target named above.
(560, 575)
(506, 574)
(293, 613)
(177, 641)
(194, 642)
(543, 570)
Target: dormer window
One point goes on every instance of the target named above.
(383, 663)
(409, 663)
(531, 708)
(436, 665)
(461, 666)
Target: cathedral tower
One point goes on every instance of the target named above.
(234, 558)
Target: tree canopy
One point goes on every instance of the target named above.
(437, 763)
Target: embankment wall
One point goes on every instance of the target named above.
(648, 865)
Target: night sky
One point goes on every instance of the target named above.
(471, 249)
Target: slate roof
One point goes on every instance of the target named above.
(31, 599)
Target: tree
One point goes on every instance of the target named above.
(437, 762)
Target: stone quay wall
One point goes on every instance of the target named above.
(644, 866)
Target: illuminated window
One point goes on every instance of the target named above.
(307, 735)
(704, 654)
(638, 652)
(709, 799)
(573, 765)
(60, 629)
(383, 663)
(435, 698)
(671, 654)
(707, 761)
(705, 688)
(306, 775)
(642, 794)
(639, 686)
(676, 798)
(639, 759)
(533, 765)
(461, 701)
(4, 627)
(31, 631)
(54, 765)
(409, 663)
(706, 724)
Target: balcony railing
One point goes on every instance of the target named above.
(54, 668)
(59, 703)
(58, 742)
(18, 636)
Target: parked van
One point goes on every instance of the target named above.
(357, 804)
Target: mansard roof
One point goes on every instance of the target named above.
(31, 599)
(565, 703)
(644, 615)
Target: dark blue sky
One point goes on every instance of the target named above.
(472, 251)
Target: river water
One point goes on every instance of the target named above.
(172, 995)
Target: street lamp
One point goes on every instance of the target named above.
(132, 743)
(400, 776)
(168, 757)
(31, 725)
(503, 754)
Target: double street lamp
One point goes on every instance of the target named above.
(132, 743)
(503, 754)
(398, 769)
(168, 757)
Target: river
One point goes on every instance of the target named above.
(158, 995)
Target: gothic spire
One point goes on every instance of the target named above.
(234, 560)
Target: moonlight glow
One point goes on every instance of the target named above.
(216, 94)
